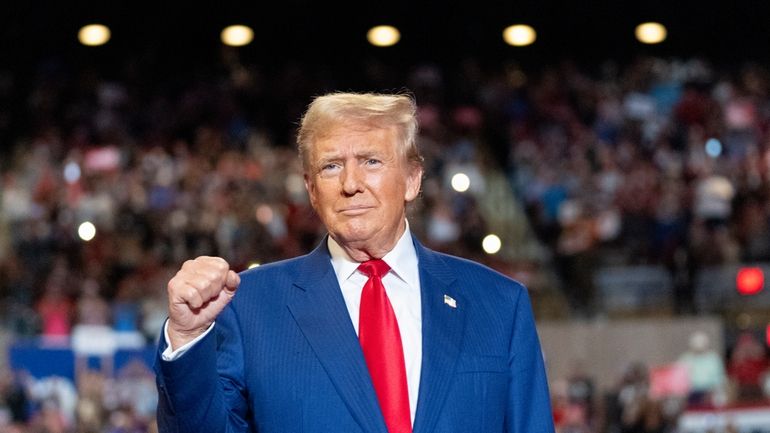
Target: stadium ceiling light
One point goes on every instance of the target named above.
(383, 36)
(93, 35)
(237, 35)
(651, 33)
(519, 35)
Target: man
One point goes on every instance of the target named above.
(339, 340)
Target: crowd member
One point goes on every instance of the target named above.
(746, 367)
(14, 400)
(706, 371)
(630, 408)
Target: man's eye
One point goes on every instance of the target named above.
(372, 161)
(330, 167)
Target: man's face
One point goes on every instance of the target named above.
(359, 185)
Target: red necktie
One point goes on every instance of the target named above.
(381, 342)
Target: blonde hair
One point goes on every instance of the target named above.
(367, 109)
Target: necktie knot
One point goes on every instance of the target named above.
(374, 268)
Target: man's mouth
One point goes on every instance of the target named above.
(355, 210)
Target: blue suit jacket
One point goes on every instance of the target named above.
(284, 357)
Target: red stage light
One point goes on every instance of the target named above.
(750, 281)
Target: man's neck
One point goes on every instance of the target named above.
(363, 253)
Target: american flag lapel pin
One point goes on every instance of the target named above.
(450, 301)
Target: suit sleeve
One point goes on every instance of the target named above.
(203, 390)
(529, 401)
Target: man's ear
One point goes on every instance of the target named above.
(413, 182)
(310, 187)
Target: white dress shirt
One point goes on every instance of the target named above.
(402, 284)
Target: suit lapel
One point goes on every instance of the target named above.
(319, 309)
(442, 331)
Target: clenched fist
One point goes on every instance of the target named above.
(196, 296)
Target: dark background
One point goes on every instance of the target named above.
(186, 34)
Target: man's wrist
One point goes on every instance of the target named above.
(172, 353)
(178, 338)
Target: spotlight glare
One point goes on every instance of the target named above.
(383, 36)
(491, 244)
(254, 265)
(87, 231)
(713, 147)
(651, 33)
(519, 35)
(237, 35)
(94, 35)
(461, 182)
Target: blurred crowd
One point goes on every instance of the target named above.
(660, 161)
(92, 402)
(654, 398)
(663, 162)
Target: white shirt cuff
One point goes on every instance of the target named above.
(172, 355)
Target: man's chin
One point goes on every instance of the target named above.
(356, 237)
(353, 239)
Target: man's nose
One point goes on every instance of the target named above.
(352, 179)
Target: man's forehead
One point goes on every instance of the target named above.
(358, 140)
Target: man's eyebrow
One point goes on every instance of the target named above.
(359, 153)
(330, 156)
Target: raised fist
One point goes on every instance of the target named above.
(199, 291)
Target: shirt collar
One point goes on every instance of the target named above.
(402, 260)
